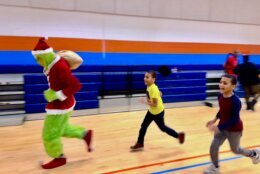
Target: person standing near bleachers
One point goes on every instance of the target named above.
(248, 75)
(60, 97)
(155, 112)
(231, 62)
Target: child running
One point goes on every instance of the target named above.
(230, 125)
(155, 112)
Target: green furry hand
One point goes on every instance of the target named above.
(50, 95)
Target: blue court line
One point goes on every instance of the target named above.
(194, 165)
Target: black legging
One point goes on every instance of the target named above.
(159, 120)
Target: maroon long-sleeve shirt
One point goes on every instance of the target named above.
(229, 117)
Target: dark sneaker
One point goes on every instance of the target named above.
(248, 106)
(181, 137)
(253, 105)
(137, 146)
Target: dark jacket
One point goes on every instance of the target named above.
(247, 74)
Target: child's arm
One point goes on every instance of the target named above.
(152, 99)
(152, 102)
(211, 122)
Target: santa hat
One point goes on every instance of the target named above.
(42, 47)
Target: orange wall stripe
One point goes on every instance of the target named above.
(178, 47)
(95, 45)
(28, 43)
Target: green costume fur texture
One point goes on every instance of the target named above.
(55, 127)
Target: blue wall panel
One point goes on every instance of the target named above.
(90, 58)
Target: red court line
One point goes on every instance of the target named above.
(170, 161)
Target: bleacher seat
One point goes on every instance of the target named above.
(40, 107)
(39, 88)
(35, 84)
(39, 98)
(184, 97)
(183, 90)
(180, 86)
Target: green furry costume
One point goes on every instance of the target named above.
(55, 127)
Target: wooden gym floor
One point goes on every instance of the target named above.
(21, 147)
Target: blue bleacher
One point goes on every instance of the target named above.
(35, 84)
(183, 90)
(239, 91)
(40, 107)
(182, 83)
(183, 86)
(184, 97)
(39, 88)
(115, 86)
(39, 98)
(177, 87)
(114, 77)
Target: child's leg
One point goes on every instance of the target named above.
(234, 142)
(147, 121)
(214, 148)
(159, 120)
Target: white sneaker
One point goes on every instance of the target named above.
(256, 159)
(211, 170)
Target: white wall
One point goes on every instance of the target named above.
(233, 11)
(24, 21)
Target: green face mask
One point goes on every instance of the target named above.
(45, 59)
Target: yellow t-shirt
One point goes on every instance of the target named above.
(153, 92)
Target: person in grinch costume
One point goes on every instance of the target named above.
(62, 86)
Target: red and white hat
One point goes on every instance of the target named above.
(42, 47)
